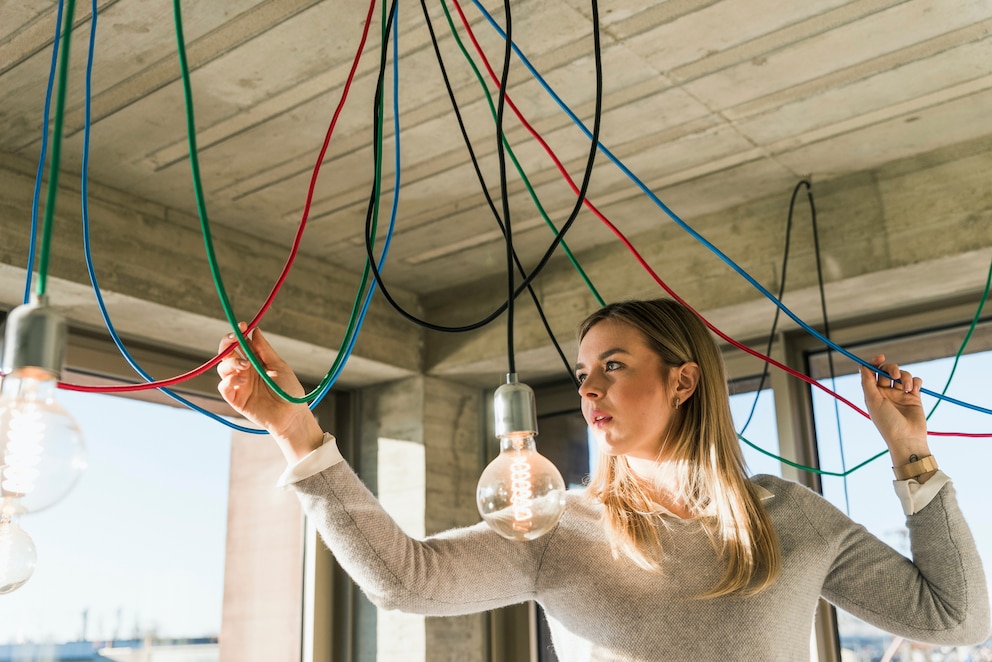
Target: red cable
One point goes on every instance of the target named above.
(310, 192)
(286, 268)
(643, 263)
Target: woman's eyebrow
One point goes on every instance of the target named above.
(604, 355)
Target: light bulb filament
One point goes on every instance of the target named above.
(6, 527)
(23, 451)
(521, 493)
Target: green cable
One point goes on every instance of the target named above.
(208, 242)
(547, 220)
(957, 357)
(537, 203)
(814, 470)
(967, 338)
(367, 270)
(516, 164)
(53, 173)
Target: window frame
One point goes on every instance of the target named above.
(327, 594)
(922, 332)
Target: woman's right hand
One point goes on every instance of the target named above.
(292, 425)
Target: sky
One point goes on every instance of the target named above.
(138, 545)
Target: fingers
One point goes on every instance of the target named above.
(229, 387)
(263, 350)
(868, 377)
(908, 383)
(898, 379)
(890, 376)
(235, 363)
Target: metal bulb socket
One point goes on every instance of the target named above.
(34, 340)
(515, 409)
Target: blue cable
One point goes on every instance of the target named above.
(392, 213)
(96, 287)
(41, 159)
(87, 246)
(698, 237)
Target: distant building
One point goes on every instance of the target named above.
(75, 651)
(129, 650)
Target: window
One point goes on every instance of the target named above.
(754, 419)
(136, 551)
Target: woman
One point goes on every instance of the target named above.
(671, 553)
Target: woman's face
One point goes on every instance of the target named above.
(626, 400)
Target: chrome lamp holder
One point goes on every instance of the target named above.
(34, 337)
(514, 407)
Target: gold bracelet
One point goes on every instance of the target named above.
(916, 468)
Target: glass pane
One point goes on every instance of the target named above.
(136, 551)
(564, 439)
(867, 494)
(761, 430)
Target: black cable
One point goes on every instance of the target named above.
(461, 125)
(478, 171)
(830, 353)
(377, 99)
(485, 190)
(781, 289)
(597, 51)
(503, 189)
(823, 296)
(510, 253)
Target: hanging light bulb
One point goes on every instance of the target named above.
(521, 494)
(41, 448)
(17, 553)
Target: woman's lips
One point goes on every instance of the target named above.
(599, 418)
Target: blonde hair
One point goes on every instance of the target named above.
(711, 476)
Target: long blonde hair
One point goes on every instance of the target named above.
(711, 476)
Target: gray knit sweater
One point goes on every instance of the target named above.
(601, 608)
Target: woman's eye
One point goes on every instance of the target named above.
(612, 365)
(580, 378)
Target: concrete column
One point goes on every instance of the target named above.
(263, 570)
(443, 420)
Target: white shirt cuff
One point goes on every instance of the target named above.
(915, 496)
(324, 456)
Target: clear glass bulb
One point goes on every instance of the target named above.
(42, 453)
(521, 494)
(17, 553)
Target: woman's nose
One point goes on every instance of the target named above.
(589, 389)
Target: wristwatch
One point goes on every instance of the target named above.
(915, 468)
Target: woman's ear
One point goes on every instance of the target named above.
(686, 380)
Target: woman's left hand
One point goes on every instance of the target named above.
(896, 410)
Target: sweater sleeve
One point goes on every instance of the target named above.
(460, 571)
(940, 596)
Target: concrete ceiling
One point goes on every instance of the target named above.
(749, 94)
(712, 103)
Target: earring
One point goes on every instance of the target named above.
(677, 403)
